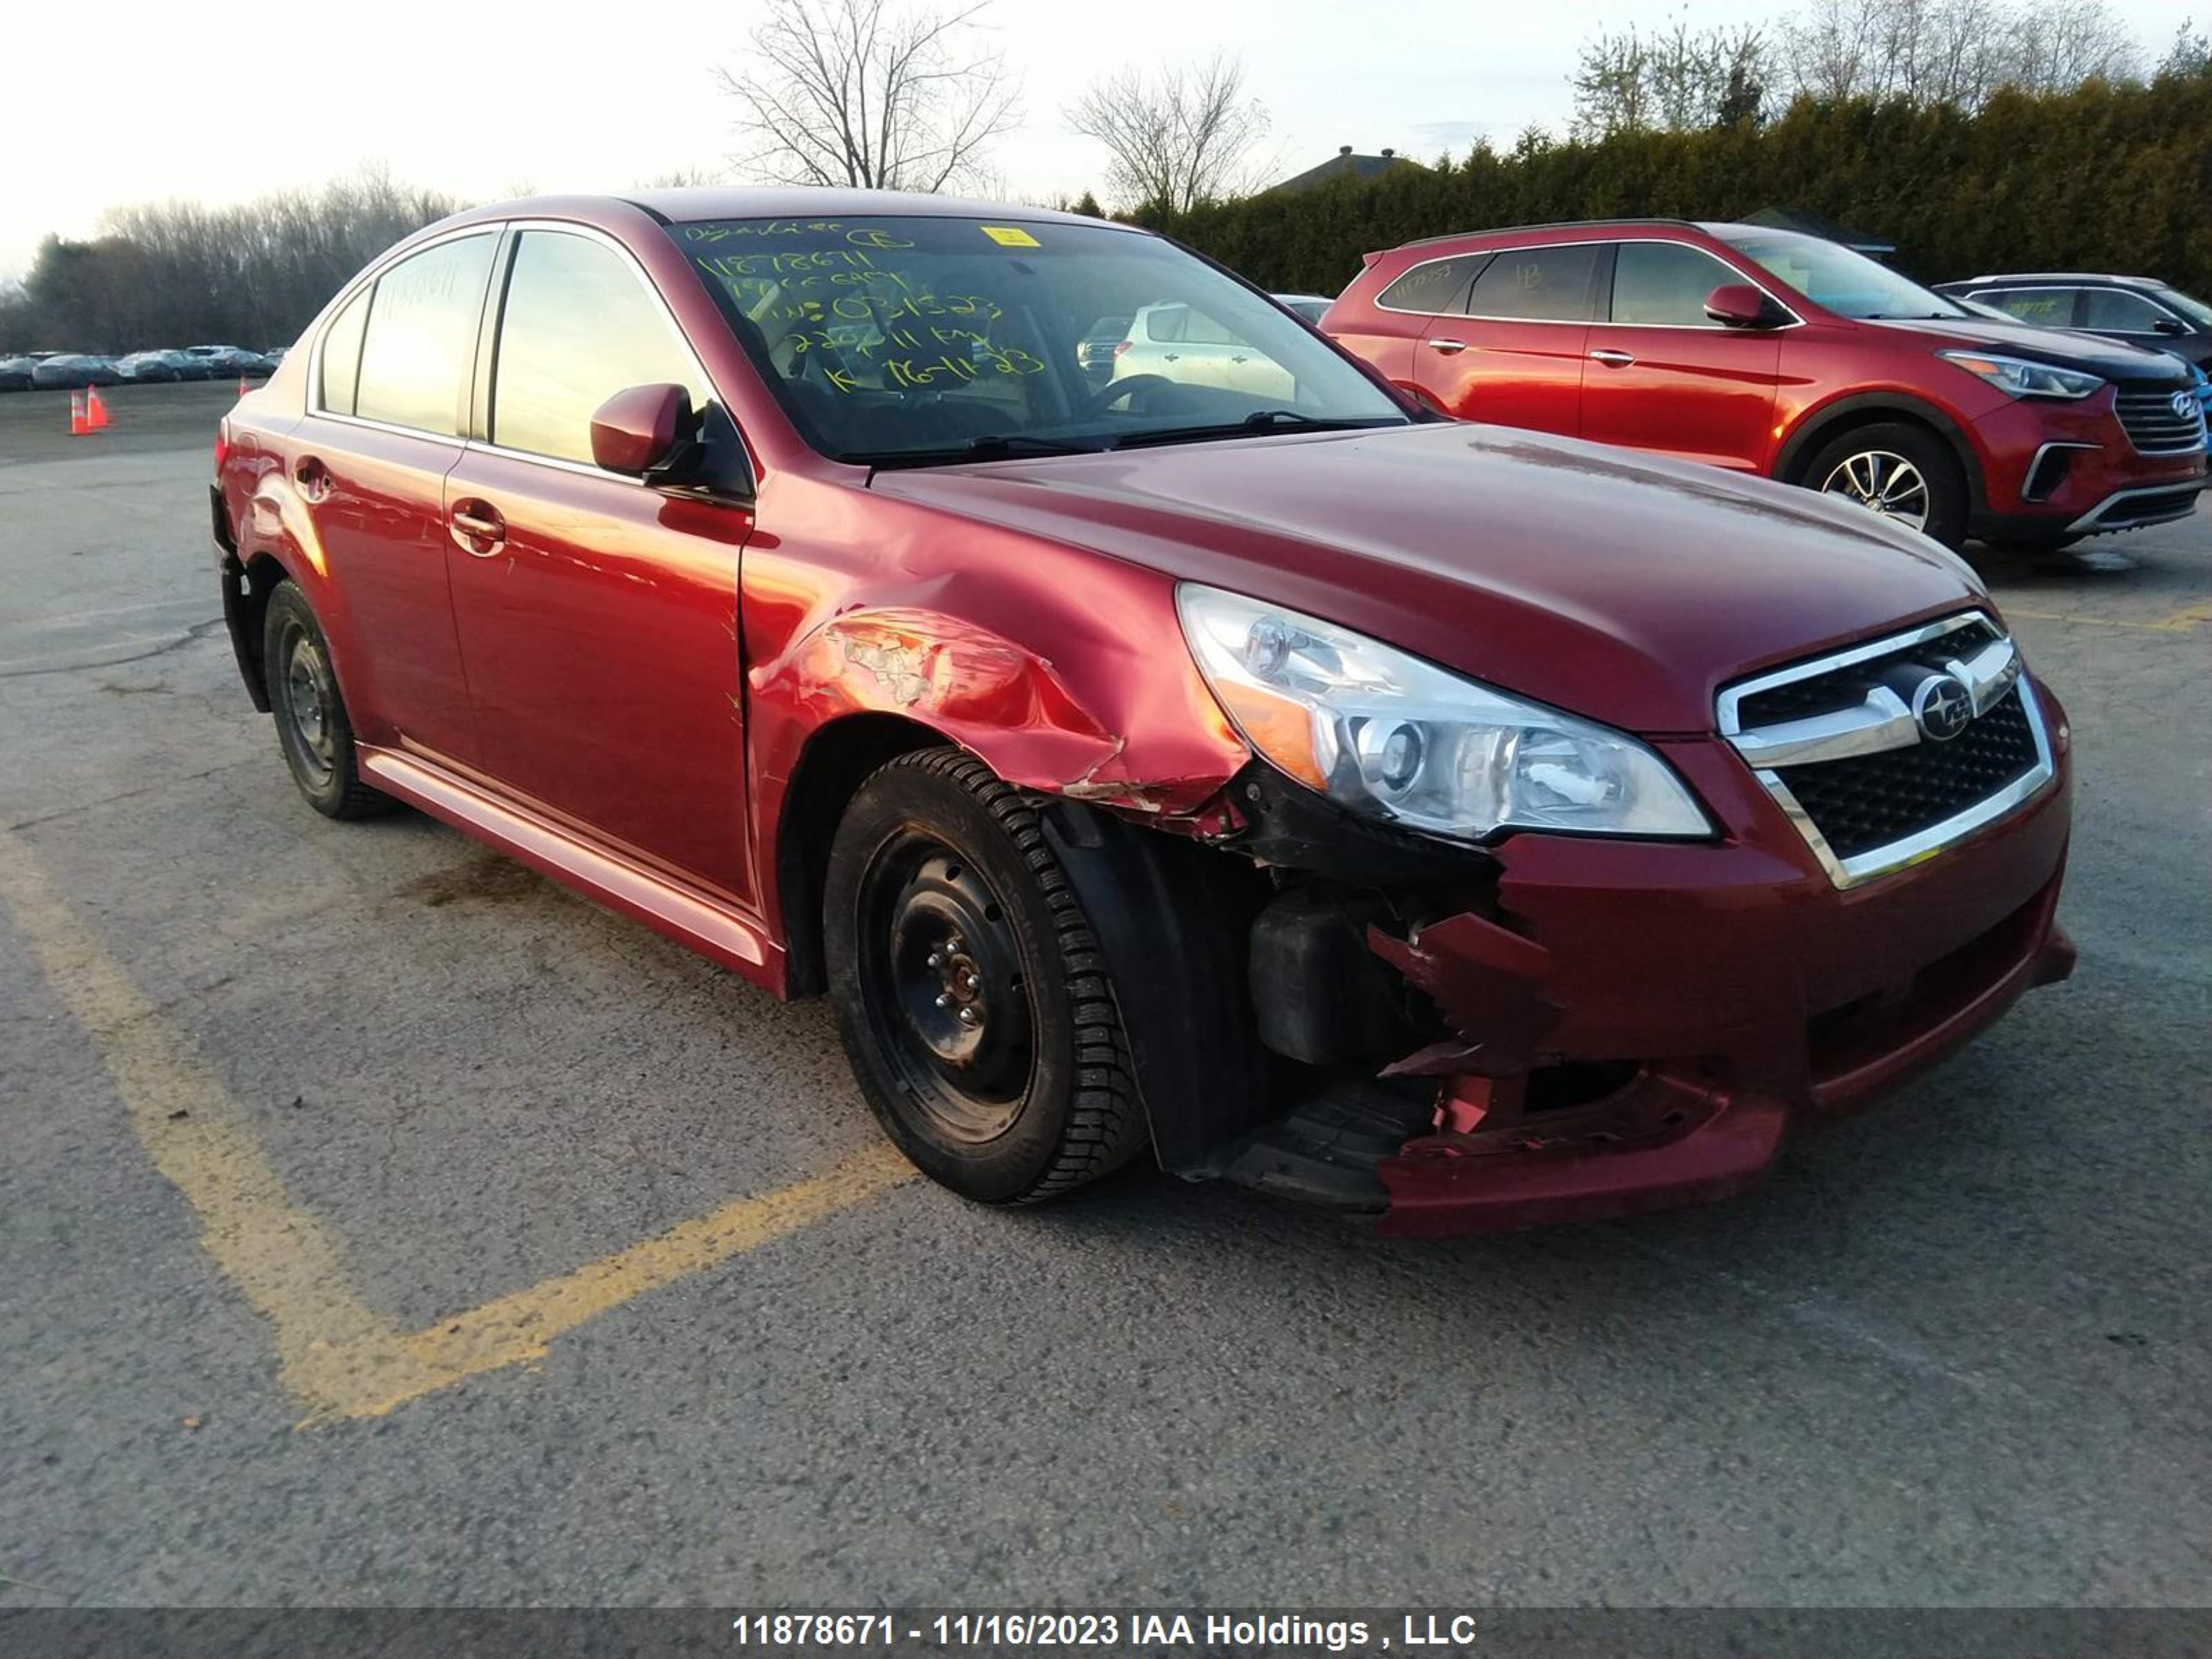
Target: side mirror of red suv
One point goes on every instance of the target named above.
(1740, 305)
(639, 429)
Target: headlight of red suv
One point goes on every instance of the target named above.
(2022, 378)
(1388, 735)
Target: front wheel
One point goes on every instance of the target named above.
(970, 991)
(1903, 472)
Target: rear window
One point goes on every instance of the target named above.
(1539, 284)
(419, 346)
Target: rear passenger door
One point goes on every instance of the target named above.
(1514, 353)
(1663, 376)
(370, 460)
(597, 614)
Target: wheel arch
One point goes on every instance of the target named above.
(837, 758)
(1833, 419)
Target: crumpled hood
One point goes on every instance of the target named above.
(1619, 586)
(2114, 360)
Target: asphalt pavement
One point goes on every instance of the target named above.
(383, 1225)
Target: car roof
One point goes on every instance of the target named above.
(1559, 224)
(681, 203)
(2036, 276)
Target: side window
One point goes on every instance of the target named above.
(1431, 288)
(576, 328)
(1665, 285)
(1202, 330)
(2120, 311)
(422, 336)
(1540, 284)
(342, 353)
(2046, 307)
(1167, 324)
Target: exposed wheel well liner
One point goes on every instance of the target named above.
(831, 767)
(246, 591)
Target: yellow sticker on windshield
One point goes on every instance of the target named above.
(1008, 236)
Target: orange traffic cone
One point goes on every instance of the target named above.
(95, 411)
(241, 385)
(79, 424)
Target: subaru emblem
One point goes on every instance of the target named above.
(1941, 705)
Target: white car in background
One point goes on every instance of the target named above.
(1307, 306)
(1179, 343)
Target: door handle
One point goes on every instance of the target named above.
(479, 528)
(1450, 348)
(1239, 360)
(1612, 359)
(313, 478)
(1170, 357)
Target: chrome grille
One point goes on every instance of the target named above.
(2155, 423)
(1841, 744)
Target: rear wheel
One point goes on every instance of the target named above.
(970, 991)
(311, 727)
(1903, 472)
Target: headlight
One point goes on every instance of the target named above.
(1394, 737)
(2023, 379)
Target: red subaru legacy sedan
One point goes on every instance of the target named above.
(1768, 352)
(1466, 826)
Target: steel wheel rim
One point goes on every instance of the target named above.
(310, 706)
(944, 989)
(1883, 481)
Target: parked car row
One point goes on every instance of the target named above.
(1469, 824)
(74, 371)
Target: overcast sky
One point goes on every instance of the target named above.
(486, 99)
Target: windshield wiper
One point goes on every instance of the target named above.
(1261, 420)
(998, 447)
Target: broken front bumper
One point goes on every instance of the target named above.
(1719, 995)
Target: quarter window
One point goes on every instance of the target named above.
(1665, 285)
(2120, 311)
(342, 355)
(1540, 285)
(416, 359)
(1433, 287)
(577, 327)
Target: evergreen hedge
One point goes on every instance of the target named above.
(2104, 178)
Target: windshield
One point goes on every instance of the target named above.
(1833, 277)
(2196, 310)
(897, 340)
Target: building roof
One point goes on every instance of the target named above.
(1345, 164)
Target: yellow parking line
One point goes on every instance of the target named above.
(2180, 623)
(285, 1265)
(341, 1358)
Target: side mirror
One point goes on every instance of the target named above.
(1741, 305)
(638, 429)
(2169, 325)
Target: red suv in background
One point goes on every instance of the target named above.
(1770, 352)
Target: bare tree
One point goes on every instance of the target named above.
(1953, 51)
(1177, 137)
(879, 95)
(2189, 56)
(1674, 81)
